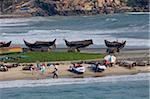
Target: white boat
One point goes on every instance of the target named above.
(77, 69)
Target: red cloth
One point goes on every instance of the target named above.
(107, 62)
(43, 64)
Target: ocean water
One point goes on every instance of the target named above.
(131, 27)
(112, 87)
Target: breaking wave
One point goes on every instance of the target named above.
(134, 13)
(64, 81)
(24, 20)
(98, 36)
(98, 28)
(111, 19)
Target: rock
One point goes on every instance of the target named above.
(69, 7)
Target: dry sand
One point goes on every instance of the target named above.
(18, 73)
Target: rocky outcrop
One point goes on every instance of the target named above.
(78, 7)
(68, 7)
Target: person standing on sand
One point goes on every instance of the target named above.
(40, 70)
(55, 73)
(96, 66)
(32, 68)
(38, 66)
(43, 69)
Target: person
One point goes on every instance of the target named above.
(96, 66)
(106, 63)
(32, 68)
(43, 69)
(77, 65)
(34, 71)
(55, 73)
(38, 65)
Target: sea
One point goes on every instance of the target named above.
(112, 87)
(132, 27)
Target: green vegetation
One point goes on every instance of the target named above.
(54, 56)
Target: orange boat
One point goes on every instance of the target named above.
(11, 50)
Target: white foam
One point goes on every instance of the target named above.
(98, 36)
(10, 21)
(12, 24)
(50, 82)
(32, 33)
(24, 20)
(138, 13)
(111, 19)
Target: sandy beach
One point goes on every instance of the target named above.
(18, 73)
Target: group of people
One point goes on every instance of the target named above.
(41, 69)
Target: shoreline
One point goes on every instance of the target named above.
(7, 16)
(2, 16)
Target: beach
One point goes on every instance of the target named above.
(18, 74)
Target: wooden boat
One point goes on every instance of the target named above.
(115, 44)
(78, 44)
(40, 44)
(2, 44)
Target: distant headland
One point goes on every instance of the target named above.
(22, 8)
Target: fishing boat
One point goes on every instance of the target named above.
(40, 44)
(78, 44)
(3, 44)
(115, 44)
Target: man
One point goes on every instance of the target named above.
(55, 73)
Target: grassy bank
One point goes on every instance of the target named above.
(54, 56)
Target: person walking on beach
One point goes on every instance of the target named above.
(55, 73)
